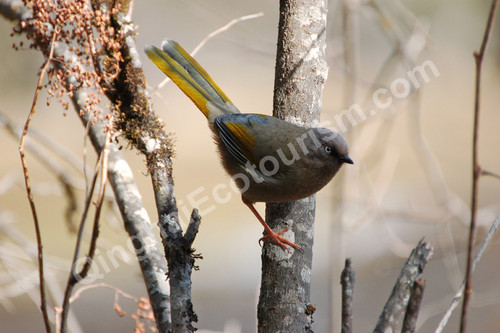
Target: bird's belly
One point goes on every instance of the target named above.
(282, 190)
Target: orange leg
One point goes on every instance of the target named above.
(275, 236)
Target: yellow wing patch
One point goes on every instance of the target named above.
(245, 140)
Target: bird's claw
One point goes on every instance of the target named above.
(281, 241)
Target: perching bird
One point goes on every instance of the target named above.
(269, 159)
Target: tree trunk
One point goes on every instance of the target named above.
(301, 70)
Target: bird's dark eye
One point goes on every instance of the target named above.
(328, 150)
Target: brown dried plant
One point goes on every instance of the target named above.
(87, 52)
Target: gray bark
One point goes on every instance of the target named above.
(129, 86)
(396, 305)
(301, 70)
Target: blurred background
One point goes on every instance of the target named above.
(411, 178)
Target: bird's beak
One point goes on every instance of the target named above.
(346, 159)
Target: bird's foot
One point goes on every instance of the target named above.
(281, 241)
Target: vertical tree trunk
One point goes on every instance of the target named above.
(301, 70)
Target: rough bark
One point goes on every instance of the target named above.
(396, 305)
(347, 280)
(144, 130)
(301, 70)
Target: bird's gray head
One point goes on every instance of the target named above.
(328, 146)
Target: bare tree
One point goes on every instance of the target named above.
(91, 59)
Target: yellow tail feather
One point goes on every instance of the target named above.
(191, 78)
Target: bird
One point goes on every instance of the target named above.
(269, 159)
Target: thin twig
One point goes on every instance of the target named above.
(100, 198)
(117, 291)
(72, 276)
(64, 179)
(489, 173)
(78, 293)
(477, 258)
(43, 305)
(411, 314)
(41, 138)
(225, 28)
(476, 168)
(75, 277)
(210, 36)
(347, 280)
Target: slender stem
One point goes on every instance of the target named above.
(489, 173)
(458, 296)
(209, 37)
(476, 168)
(43, 297)
(100, 199)
(75, 277)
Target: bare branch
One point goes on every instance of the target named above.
(476, 168)
(411, 314)
(489, 173)
(74, 278)
(181, 261)
(43, 305)
(477, 258)
(193, 227)
(143, 313)
(62, 176)
(136, 219)
(142, 127)
(397, 302)
(210, 36)
(347, 280)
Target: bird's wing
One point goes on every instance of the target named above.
(237, 133)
